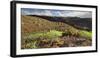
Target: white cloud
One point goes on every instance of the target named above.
(80, 14)
(64, 13)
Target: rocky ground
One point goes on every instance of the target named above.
(66, 41)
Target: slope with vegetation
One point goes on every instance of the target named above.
(38, 32)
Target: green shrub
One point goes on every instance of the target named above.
(48, 35)
(85, 34)
(53, 34)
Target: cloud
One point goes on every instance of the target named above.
(63, 13)
(80, 14)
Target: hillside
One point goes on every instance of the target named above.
(38, 24)
(52, 32)
(77, 22)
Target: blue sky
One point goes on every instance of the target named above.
(53, 12)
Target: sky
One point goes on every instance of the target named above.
(58, 13)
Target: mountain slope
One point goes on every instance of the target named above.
(38, 24)
(39, 32)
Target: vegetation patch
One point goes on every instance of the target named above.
(86, 34)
